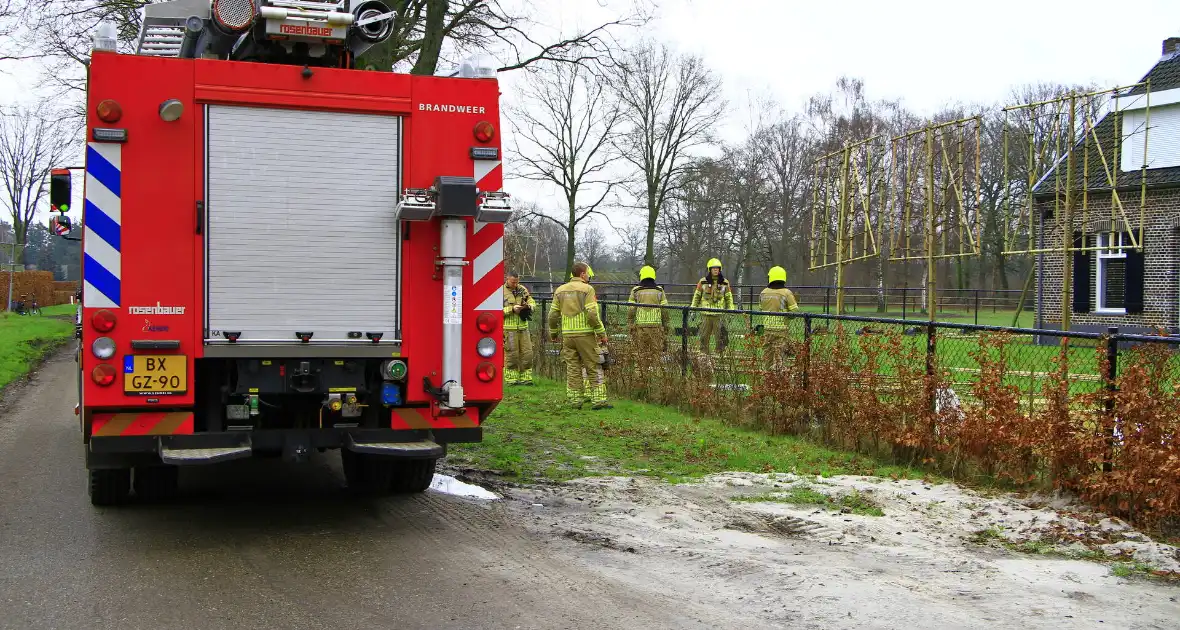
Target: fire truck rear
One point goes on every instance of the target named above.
(283, 253)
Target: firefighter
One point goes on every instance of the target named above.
(518, 343)
(575, 314)
(713, 291)
(776, 298)
(648, 325)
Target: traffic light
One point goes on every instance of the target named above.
(60, 193)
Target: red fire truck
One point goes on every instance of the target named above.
(284, 253)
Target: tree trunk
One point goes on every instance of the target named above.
(881, 305)
(649, 255)
(432, 37)
(570, 241)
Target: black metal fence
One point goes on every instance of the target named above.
(989, 400)
(963, 304)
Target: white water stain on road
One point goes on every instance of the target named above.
(446, 484)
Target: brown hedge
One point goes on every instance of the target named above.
(38, 284)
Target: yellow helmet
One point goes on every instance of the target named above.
(647, 273)
(777, 274)
(713, 262)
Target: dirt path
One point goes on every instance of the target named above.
(259, 543)
(924, 564)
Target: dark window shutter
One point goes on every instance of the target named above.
(1081, 277)
(1133, 289)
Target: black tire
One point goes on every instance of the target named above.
(156, 483)
(414, 475)
(110, 486)
(366, 474)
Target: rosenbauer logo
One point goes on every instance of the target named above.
(451, 109)
(309, 31)
(156, 310)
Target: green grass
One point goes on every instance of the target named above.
(1129, 569)
(57, 310)
(533, 435)
(24, 340)
(855, 501)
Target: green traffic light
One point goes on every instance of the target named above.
(64, 208)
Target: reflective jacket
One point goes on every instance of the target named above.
(712, 294)
(648, 292)
(575, 309)
(775, 299)
(512, 297)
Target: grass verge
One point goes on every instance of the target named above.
(25, 340)
(853, 502)
(533, 435)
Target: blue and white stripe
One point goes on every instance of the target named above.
(102, 265)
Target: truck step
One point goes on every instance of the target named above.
(423, 449)
(191, 456)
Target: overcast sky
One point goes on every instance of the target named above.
(925, 53)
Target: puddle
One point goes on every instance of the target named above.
(449, 485)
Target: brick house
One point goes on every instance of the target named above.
(1136, 291)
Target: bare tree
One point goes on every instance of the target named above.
(670, 103)
(566, 132)
(31, 145)
(592, 246)
(11, 25)
(629, 251)
(426, 34)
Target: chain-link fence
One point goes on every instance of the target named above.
(1095, 413)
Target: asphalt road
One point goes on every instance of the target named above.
(265, 544)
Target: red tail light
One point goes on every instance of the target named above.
(486, 322)
(103, 321)
(484, 131)
(103, 374)
(108, 111)
(485, 372)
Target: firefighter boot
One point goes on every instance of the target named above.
(526, 377)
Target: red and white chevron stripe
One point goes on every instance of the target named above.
(486, 245)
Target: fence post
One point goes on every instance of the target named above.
(1112, 359)
(806, 352)
(684, 342)
(931, 350)
(827, 299)
(977, 307)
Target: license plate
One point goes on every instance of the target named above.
(147, 375)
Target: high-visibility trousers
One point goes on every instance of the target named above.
(711, 325)
(581, 353)
(518, 356)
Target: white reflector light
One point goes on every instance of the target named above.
(103, 347)
(486, 347)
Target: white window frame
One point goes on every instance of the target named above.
(1105, 254)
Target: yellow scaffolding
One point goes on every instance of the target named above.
(848, 198)
(935, 196)
(1061, 154)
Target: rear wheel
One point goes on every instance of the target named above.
(110, 486)
(414, 475)
(367, 474)
(156, 483)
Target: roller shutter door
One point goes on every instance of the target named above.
(300, 227)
